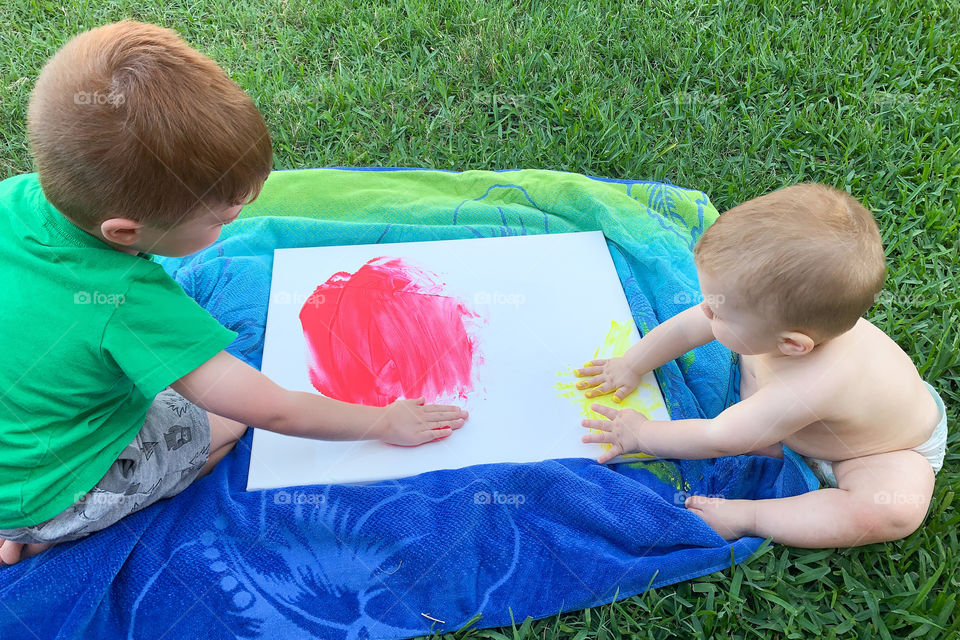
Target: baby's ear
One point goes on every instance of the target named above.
(795, 343)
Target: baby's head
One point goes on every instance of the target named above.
(144, 142)
(790, 269)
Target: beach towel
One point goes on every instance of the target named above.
(484, 545)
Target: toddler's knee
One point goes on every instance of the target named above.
(892, 519)
(226, 425)
(224, 431)
(238, 429)
(906, 518)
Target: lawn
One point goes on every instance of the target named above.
(731, 99)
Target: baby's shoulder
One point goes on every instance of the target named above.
(864, 358)
(866, 352)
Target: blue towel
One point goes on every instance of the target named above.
(428, 553)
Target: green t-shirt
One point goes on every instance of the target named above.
(89, 336)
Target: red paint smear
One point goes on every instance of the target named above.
(385, 332)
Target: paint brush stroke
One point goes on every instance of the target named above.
(387, 332)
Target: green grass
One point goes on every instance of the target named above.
(732, 99)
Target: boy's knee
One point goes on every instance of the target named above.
(226, 426)
(224, 431)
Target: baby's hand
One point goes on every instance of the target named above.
(410, 422)
(619, 431)
(613, 374)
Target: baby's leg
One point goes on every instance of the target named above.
(879, 498)
(224, 434)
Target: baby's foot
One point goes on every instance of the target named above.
(732, 519)
(13, 552)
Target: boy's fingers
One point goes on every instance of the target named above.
(443, 416)
(432, 435)
(433, 425)
(441, 407)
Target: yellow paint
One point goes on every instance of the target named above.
(664, 471)
(615, 344)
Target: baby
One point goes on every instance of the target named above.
(785, 279)
(116, 390)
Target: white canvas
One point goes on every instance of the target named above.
(545, 304)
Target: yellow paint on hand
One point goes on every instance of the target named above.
(615, 344)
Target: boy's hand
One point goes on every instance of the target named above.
(619, 431)
(227, 386)
(410, 422)
(613, 374)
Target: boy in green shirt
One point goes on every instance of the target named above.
(116, 390)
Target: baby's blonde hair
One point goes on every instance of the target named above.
(807, 257)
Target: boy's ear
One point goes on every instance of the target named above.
(795, 343)
(122, 231)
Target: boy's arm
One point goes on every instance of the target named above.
(665, 342)
(229, 387)
(768, 416)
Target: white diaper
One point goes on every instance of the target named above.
(934, 449)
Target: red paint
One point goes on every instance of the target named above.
(386, 332)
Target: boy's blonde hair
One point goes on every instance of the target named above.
(808, 257)
(127, 120)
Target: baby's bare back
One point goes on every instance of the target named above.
(867, 390)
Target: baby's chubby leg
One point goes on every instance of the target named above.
(879, 498)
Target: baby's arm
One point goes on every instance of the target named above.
(229, 387)
(666, 342)
(766, 417)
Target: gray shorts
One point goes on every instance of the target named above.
(165, 457)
